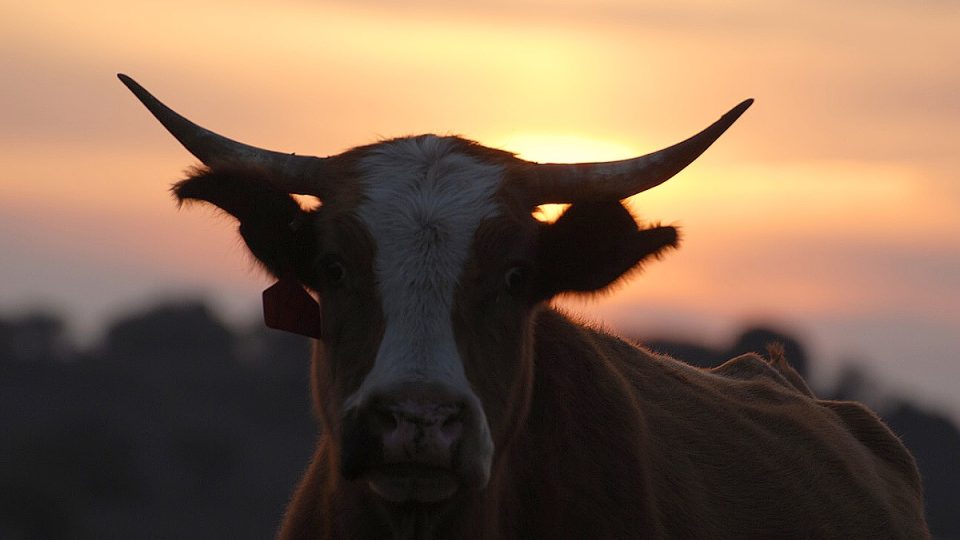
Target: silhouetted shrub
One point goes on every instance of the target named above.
(173, 339)
(37, 337)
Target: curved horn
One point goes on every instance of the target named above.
(296, 174)
(570, 182)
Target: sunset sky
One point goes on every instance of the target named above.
(832, 208)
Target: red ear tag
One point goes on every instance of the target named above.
(287, 307)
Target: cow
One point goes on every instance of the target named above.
(454, 401)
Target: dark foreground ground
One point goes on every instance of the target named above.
(177, 426)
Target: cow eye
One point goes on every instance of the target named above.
(515, 280)
(333, 271)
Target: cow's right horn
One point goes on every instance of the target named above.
(296, 174)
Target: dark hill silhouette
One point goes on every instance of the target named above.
(162, 432)
(177, 426)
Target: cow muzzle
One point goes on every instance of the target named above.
(417, 443)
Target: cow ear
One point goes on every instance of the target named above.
(592, 245)
(268, 216)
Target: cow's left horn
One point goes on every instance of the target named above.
(297, 174)
(572, 182)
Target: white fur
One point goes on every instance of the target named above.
(423, 204)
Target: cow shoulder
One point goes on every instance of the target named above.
(580, 467)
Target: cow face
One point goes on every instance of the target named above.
(428, 273)
(430, 269)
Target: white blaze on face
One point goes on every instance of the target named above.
(423, 204)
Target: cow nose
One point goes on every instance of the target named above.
(416, 441)
(418, 429)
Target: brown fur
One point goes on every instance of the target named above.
(615, 442)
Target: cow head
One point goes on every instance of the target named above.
(430, 268)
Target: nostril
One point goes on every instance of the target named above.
(452, 427)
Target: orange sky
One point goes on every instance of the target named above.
(832, 207)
